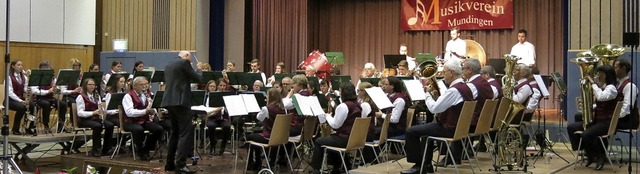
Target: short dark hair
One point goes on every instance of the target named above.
(523, 31)
(398, 86)
(610, 74)
(348, 92)
(623, 63)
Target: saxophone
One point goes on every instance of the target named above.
(587, 62)
(325, 128)
(509, 142)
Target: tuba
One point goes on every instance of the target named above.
(509, 141)
(587, 62)
(429, 69)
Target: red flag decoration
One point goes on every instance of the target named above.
(465, 14)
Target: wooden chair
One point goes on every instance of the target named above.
(608, 136)
(462, 132)
(357, 140)
(398, 142)
(378, 143)
(305, 137)
(120, 134)
(484, 125)
(279, 137)
(76, 129)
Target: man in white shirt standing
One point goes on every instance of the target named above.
(456, 48)
(524, 49)
(410, 60)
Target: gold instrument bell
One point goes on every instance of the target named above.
(475, 50)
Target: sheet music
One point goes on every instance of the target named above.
(379, 97)
(231, 102)
(543, 87)
(250, 103)
(315, 105)
(415, 90)
(302, 105)
(205, 110)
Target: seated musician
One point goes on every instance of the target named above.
(449, 105)
(17, 101)
(299, 86)
(257, 85)
(403, 69)
(479, 86)
(534, 100)
(522, 91)
(626, 90)
(286, 86)
(310, 71)
(220, 119)
(342, 121)
(605, 93)
(116, 68)
(137, 107)
(489, 74)
(137, 66)
(411, 61)
(45, 99)
(89, 116)
(255, 68)
(279, 70)
(369, 109)
(267, 115)
(369, 71)
(118, 87)
(396, 92)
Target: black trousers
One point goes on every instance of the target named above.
(415, 147)
(46, 105)
(96, 125)
(254, 156)
(574, 138)
(628, 122)
(21, 110)
(318, 151)
(137, 131)
(226, 132)
(181, 135)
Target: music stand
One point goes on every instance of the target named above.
(40, 77)
(147, 74)
(261, 97)
(559, 83)
(111, 81)
(337, 80)
(373, 81)
(96, 76)
(498, 65)
(280, 76)
(206, 77)
(67, 77)
(217, 75)
(250, 78)
(392, 60)
(335, 58)
(405, 77)
(157, 99)
(265, 89)
(115, 101)
(422, 57)
(215, 98)
(322, 99)
(158, 76)
(235, 78)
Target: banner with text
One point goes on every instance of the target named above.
(465, 14)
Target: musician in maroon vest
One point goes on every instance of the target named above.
(299, 86)
(626, 90)
(369, 109)
(397, 95)
(479, 86)
(220, 119)
(489, 74)
(267, 115)
(449, 106)
(17, 89)
(89, 116)
(136, 104)
(534, 100)
(605, 93)
(522, 91)
(45, 98)
(342, 121)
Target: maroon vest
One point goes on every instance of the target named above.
(354, 112)
(449, 118)
(620, 97)
(484, 93)
(497, 85)
(294, 115)
(90, 105)
(137, 104)
(267, 126)
(517, 88)
(48, 96)
(535, 86)
(402, 123)
(18, 88)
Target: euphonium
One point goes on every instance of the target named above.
(509, 142)
(429, 69)
(587, 62)
(325, 128)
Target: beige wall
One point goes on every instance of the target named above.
(593, 22)
(234, 32)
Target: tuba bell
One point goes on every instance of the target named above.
(587, 63)
(429, 69)
(509, 142)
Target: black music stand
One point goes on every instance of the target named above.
(498, 64)
(111, 81)
(158, 76)
(67, 77)
(392, 60)
(197, 97)
(40, 77)
(373, 81)
(206, 77)
(337, 80)
(147, 74)
(217, 75)
(115, 101)
(324, 103)
(265, 89)
(280, 76)
(96, 76)
(562, 86)
(215, 98)
(405, 77)
(539, 136)
(157, 99)
(235, 78)
(250, 78)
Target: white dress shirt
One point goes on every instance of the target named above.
(458, 46)
(447, 99)
(628, 93)
(526, 51)
(396, 112)
(609, 93)
(127, 105)
(80, 105)
(534, 100)
(341, 113)
(366, 109)
(523, 93)
(42, 92)
(411, 63)
(13, 95)
(107, 99)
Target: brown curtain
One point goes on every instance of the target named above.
(365, 30)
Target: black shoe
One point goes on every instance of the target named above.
(220, 152)
(16, 132)
(34, 133)
(76, 150)
(169, 167)
(600, 163)
(95, 152)
(109, 152)
(144, 156)
(184, 170)
(481, 148)
(413, 170)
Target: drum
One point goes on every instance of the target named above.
(317, 60)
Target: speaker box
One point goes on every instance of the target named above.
(631, 39)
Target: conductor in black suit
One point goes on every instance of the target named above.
(177, 100)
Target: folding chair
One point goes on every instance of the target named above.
(378, 143)
(633, 132)
(279, 137)
(398, 141)
(121, 132)
(608, 136)
(76, 129)
(357, 140)
(484, 124)
(306, 137)
(462, 132)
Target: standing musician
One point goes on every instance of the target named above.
(449, 105)
(605, 94)
(255, 68)
(626, 90)
(479, 86)
(17, 102)
(279, 70)
(396, 92)
(268, 116)
(456, 48)
(45, 98)
(221, 119)
(524, 49)
(89, 116)
(137, 106)
(522, 91)
(411, 61)
(342, 122)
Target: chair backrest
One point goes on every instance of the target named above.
(486, 116)
(74, 114)
(308, 128)
(121, 117)
(358, 135)
(410, 114)
(280, 131)
(501, 113)
(383, 132)
(614, 119)
(464, 121)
